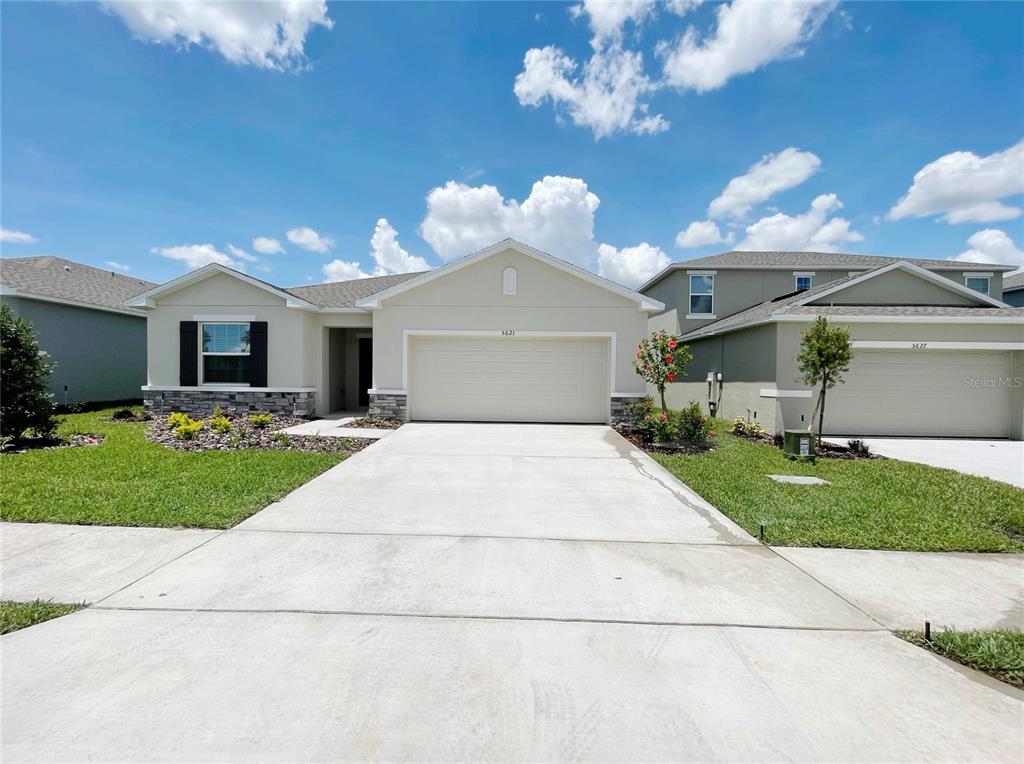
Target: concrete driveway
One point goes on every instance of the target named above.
(489, 592)
(1001, 460)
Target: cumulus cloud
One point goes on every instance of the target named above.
(197, 255)
(341, 270)
(16, 237)
(607, 98)
(813, 230)
(606, 18)
(388, 253)
(267, 246)
(309, 239)
(992, 246)
(748, 34)
(114, 265)
(557, 217)
(772, 174)
(270, 34)
(241, 254)
(700, 233)
(964, 187)
(630, 266)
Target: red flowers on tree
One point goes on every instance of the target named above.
(660, 360)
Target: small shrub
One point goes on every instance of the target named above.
(220, 423)
(859, 448)
(665, 428)
(177, 418)
(642, 421)
(746, 429)
(778, 440)
(188, 430)
(123, 413)
(692, 426)
(259, 421)
(5, 442)
(280, 439)
(25, 399)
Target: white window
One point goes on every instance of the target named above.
(702, 295)
(977, 283)
(225, 354)
(803, 281)
(508, 281)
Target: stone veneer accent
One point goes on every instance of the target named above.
(389, 406)
(620, 414)
(203, 402)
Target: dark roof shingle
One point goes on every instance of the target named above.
(743, 259)
(62, 279)
(345, 294)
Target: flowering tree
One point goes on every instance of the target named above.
(660, 359)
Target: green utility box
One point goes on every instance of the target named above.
(799, 445)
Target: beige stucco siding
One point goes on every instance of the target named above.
(897, 287)
(471, 299)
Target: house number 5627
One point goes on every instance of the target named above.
(918, 345)
(508, 332)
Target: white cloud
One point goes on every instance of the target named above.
(309, 239)
(607, 18)
(963, 187)
(992, 246)
(388, 253)
(241, 254)
(630, 266)
(557, 217)
(772, 174)
(270, 34)
(748, 34)
(340, 270)
(267, 246)
(700, 233)
(197, 255)
(17, 237)
(811, 231)
(117, 266)
(607, 98)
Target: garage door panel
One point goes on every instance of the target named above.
(510, 379)
(924, 393)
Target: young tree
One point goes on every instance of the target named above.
(825, 355)
(25, 398)
(660, 359)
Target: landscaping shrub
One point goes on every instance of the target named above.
(259, 421)
(188, 430)
(220, 423)
(665, 428)
(691, 424)
(859, 448)
(745, 429)
(25, 399)
(123, 413)
(642, 421)
(176, 418)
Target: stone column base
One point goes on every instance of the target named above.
(389, 406)
(202, 402)
(620, 414)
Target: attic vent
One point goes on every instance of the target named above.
(67, 268)
(508, 281)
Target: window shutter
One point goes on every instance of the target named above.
(188, 370)
(258, 353)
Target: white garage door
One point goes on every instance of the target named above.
(922, 393)
(509, 379)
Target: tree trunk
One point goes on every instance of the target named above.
(821, 411)
(661, 393)
(814, 413)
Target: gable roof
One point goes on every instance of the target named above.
(643, 302)
(812, 260)
(145, 299)
(798, 304)
(1013, 282)
(345, 294)
(56, 279)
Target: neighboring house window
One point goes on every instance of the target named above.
(803, 283)
(702, 295)
(978, 283)
(508, 281)
(225, 354)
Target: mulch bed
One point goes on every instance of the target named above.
(374, 423)
(665, 448)
(48, 444)
(825, 450)
(244, 435)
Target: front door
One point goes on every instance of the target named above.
(365, 369)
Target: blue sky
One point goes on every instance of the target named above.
(123, 144)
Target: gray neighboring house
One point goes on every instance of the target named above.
(937, 352)
(1013, 290)
(80, 316)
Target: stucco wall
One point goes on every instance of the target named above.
(471, 299)
(896, 288)
(101, 356)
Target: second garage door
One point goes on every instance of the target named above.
(922, 393)
(509, 379)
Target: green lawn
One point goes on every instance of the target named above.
(18, 615)
(126, 480)
(871, 504)
(999, 652)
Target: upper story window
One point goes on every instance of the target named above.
(977, 283)
(508, 281)
(702, 294)
(225, 354)
(804, 281)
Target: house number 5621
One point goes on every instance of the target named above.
(508, 332)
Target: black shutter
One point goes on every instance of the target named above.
(258, 353)
(188, 370)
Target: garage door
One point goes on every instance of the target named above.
(922, 393)
(509, 379)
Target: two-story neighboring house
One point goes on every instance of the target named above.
(936, 350)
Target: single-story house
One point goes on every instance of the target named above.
(82, 322)
(936, 350)
(1013, 290)
(506, 334)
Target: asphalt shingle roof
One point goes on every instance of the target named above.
(67, 280)
(819, 260)
(344, 294)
